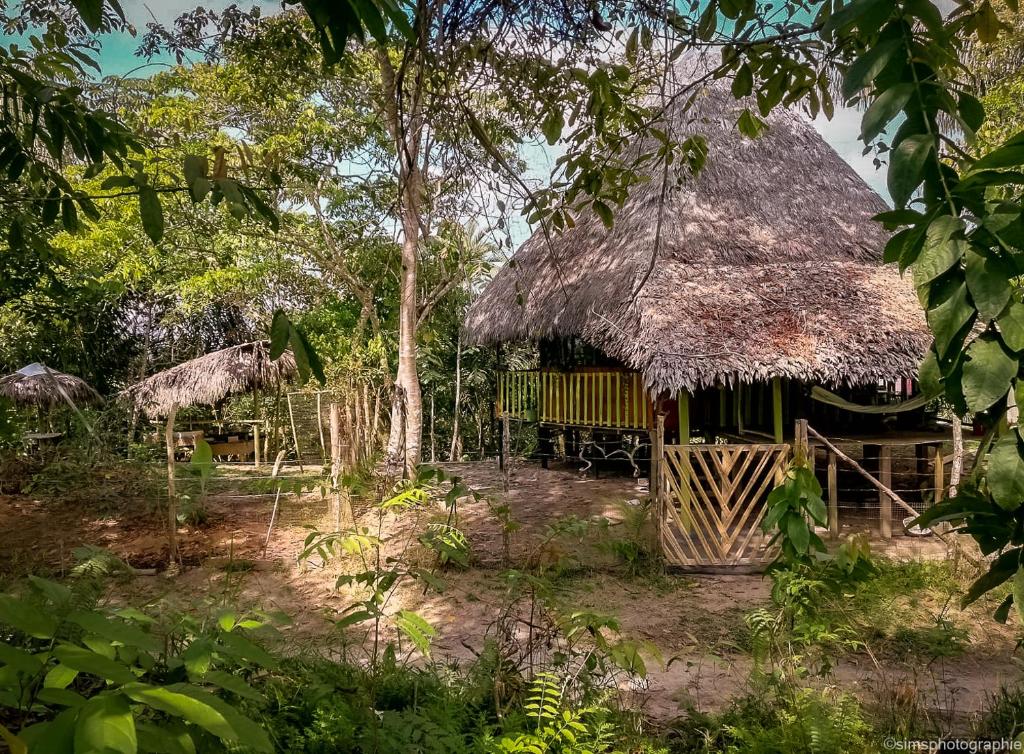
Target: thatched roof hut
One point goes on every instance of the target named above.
(768, 265)
(210, 379)
(38, 385)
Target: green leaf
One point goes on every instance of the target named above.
(26, 618)
(708, 22)
(87, 661)
(941, 249)
(14, 743)
(91, 12)
(164, 739)
(151, 213)
(1017, 590)
(553, 125)
(988, 372)
(105, 725)
(59, 677)
(987, 23)
(743, 82)
(798, 532)
(237, 646)
(19, 659)
(949, 318)
(750, 125)
(57, 735)
(1011, 326)
(817, 509)
(885, 107)
(194, 167)
(864, 69)
(906, 167)
(69, 214)
(605, 213)
(1006, 472)
(1002, 569)
(988, 280)
(280, 332)
(60, 697)
(234, 684)
(179, 701)
(246, 731)
(416, 629)
(117, 630)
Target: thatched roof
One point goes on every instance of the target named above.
(38, 385)
(769, 265)
(210, 379)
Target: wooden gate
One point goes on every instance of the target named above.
(713, 502)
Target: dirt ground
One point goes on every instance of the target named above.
(695, 622)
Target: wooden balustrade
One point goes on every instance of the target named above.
(611, 398)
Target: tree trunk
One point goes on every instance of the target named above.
(407, 133)
(433, 443)
(455, 454)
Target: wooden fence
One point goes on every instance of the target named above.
(606, 398)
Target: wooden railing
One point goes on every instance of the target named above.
(612, 398)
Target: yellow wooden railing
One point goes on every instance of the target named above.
(611, 398)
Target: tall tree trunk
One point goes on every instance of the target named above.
(407, 134)
(433, 443)
(455, 453)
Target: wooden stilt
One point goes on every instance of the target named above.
(833, 496)
(654, 483)
(886, 502)
(938, 472)
(777, 409)
(684, 418)
(295, 435)
(256, 443)
(172, 495)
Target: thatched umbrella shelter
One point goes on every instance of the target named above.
(210, 379)
(206, 380)
(38, 385)
(767, 265)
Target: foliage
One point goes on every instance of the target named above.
(77, 677)
(790, 512)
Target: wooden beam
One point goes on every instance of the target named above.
(777, 408)
(884, 501)
(172, 495)
(833, 496)
(684, 417)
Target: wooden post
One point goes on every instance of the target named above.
(938, 472)
(777, 408)
(884, 501)
(506, 449)
(295, 435)
(683, 404)
(833, 496)
(343, 515)
(800, 442)
(172, 495)
(256, 443)
(654, 483)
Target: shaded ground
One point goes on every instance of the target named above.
(695, 622)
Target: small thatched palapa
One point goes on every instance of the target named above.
(768, 266)
(210, 379)
(38, 385)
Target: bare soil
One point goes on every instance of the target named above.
(695, 622)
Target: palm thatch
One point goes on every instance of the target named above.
(38, 385)
(210, 379)
(768, 265)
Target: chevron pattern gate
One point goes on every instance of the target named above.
(713, 502)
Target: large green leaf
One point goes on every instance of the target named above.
(906, 166)
(942, 249)
(26, 618)
(19, 659)
(1002, 570)
(280, 332)
(798, 532)
(86, 661)
(164, 739)
(988, 372)
(988, 280)
(114, 629)
(1006, 472)
(949, 317)
(416, 628)
(234, 684)
(863, 70)
(237, 646)
(884, 109)
(151, 212)
(186, 706)
(248, 733)
(1011, 326)
(105, 725)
